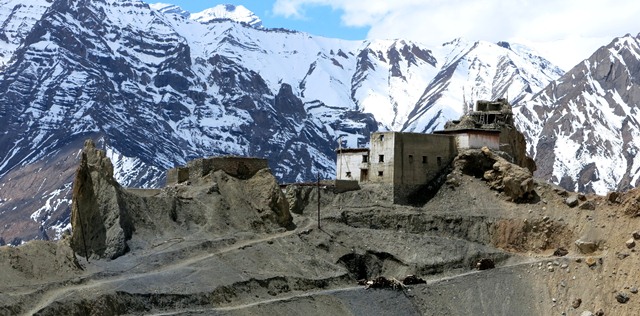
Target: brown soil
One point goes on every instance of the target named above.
(179, 268)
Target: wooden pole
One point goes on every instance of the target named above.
(318, 185)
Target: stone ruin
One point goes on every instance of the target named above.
(239, 167)
(233, 194)
(498, 116)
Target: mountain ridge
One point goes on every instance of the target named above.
(153, 98)
(582, 126)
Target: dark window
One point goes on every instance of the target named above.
(348, 174)
(410, 158)
(381, 158)
(424, 159)
(381, 137)
(439, 161)
(380, 173)
(365, 158)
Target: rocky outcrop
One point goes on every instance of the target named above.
(501, 175)
(101, 226)
(213, 202)
(263, 193)
(298, 197)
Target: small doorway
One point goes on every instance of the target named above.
(364, 175)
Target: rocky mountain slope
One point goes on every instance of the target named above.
(583, 127)
(478, 71)
(218, 245)
(17, 19)
(155, 86)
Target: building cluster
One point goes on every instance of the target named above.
(409, 161)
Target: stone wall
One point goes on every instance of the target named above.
(381, 159)
(420, 159)
(177, 175)
(342, 186)
(239, 167)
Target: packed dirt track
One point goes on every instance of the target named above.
(228, 245)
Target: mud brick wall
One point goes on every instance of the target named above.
(177, 175)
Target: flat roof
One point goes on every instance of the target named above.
(352, 150)
(468, 131)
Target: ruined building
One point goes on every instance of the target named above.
(240, 167)
(409, 161)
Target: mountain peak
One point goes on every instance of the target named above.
(232, 12)
(168, 8)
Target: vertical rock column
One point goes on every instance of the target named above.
(100, 224)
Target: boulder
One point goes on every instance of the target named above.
(622, 255)
(560, 252)
(572, 201)
(586, 246)
(622, 298)
(630, 243)
(576, 303)
(588, 205)
(515, 181)
(613, 197)
(485, 264)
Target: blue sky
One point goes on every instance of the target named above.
(318, 19)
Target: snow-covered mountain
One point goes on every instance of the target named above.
(16, 20)
(156, 86)
(473, 71)
(583, 129)
(229, 12)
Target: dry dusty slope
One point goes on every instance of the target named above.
(208, 260)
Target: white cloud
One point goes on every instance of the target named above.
(565, 31)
